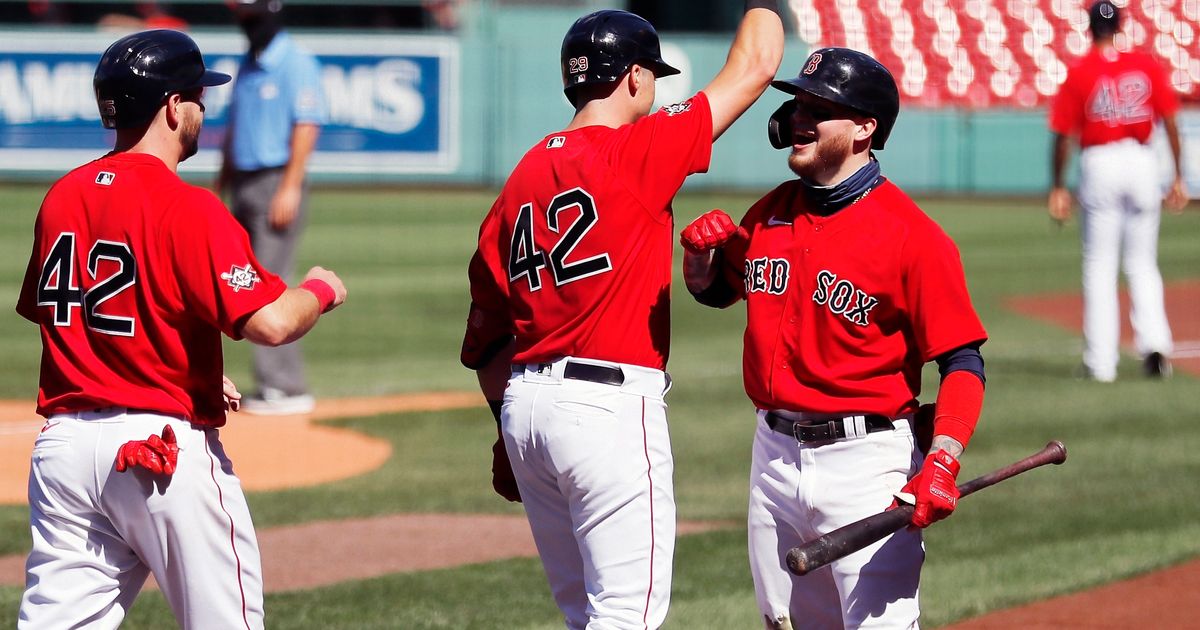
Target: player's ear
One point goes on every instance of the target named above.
(866, 128)
(637, 79)
(173, 104)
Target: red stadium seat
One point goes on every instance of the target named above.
(997, 53)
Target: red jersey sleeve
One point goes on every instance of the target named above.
(1066, 111)
(216, 273)
(489, 324)
(940, 307)
(649, 160)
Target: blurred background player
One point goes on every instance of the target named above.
(574, 262)
(850, 289)
(274, 116)
(1110, 102)
(133, 277)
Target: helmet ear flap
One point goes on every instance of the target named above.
(779, 126)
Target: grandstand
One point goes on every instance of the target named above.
(996, 53)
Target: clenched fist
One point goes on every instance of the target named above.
(933, 490)
(711, 230)
(158, 455)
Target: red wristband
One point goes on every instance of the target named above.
(321, 289)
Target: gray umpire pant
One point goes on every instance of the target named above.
(282, 367)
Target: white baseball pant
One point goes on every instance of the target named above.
(799, 492)
(1121, 198)
(98, 533)
(593, 463)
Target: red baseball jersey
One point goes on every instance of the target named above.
(844, 310)
(574, 257)
(1110, 96)
(134, 275)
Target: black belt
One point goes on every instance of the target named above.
(588, 372)
(824, 427)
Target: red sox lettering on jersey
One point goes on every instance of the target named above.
(843, 298)
(767, 274)
(770, 275)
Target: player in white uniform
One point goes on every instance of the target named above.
(1111, 101)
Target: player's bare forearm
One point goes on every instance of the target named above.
(1059, 201)
(285, 320)
(946, 443)
(753, 60)
(493, 376)
(699, 270)
(295, 311)
(1058, 159)
(1172, 129)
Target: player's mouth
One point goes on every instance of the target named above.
(802, 139)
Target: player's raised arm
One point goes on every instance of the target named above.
(753, 60)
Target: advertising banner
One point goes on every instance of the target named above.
(392, 101)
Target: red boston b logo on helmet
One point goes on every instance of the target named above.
(813, 62)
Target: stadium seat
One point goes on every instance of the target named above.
(996, 53)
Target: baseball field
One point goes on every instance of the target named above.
(409, 479)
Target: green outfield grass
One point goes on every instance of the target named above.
(1125, 503)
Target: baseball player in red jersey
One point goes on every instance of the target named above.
(570, 317)
(1111, 101)
(850, 289)
(133, 277)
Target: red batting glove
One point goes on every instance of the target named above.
(711, 230)
(503, 481)
(933, 490)
(158, 455)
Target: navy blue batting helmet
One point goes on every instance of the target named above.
(600, 47)
(139, 71)
(849, 78)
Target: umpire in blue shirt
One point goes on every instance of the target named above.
(275, 116)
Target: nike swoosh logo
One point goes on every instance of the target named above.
(777, 221)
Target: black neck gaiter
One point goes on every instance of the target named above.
(827, 200)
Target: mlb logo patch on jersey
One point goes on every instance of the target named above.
(239, 278)
(556, 142)
(677, 108)
(104, 178)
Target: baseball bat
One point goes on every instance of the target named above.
(845, 540)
